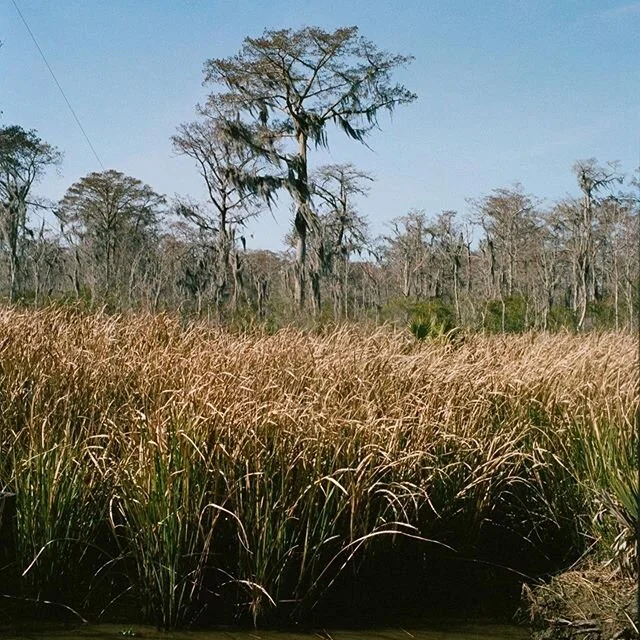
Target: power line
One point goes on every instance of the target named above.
(53, 75)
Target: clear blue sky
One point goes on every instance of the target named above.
(508, 90)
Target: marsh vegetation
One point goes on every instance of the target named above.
(188, 474)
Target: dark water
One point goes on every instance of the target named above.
(450, 631)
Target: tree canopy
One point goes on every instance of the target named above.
(105, 213)
(282, 90)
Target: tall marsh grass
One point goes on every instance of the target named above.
(242, 475)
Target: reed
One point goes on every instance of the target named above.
(243, 474)
(58, 514)
(164, 523)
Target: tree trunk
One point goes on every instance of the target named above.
(456, 295)
(12, 233)
(13, 278)
(301, 260)
(315, 292)
(76, 273)
(301, 222)
(236, 265)
(345, 287)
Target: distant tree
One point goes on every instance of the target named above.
(24, 157)
(109, 216)
(267, 276)
(283, 90)
(45, 257)
(341, 230)
(592, 180)
(407, 249)
(584, 226)
(508, 220)
(549, 270)
(221, 162)
(616, 265)
(428, 259)
(451, 247)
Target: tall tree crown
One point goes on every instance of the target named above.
(297, 81)
(24, 157)
(108, 199)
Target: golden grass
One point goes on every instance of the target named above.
(262, 464)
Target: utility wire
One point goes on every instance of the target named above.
(53, 75)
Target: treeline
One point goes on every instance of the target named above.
(509, 263)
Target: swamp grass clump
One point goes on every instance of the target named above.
(57, 514)
(193, 474)
(164, 524)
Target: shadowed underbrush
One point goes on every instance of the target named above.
(195, 475)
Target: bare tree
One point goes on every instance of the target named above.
(592, 180)
(408, 248)
(342, 231)
(616, 259)
(285, 88)
(548, 245)
(24, 158)
(46, 261)
(267, 276)
(451, 246)
(222, 163)
(507, 217)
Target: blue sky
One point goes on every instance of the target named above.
(508, 90)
